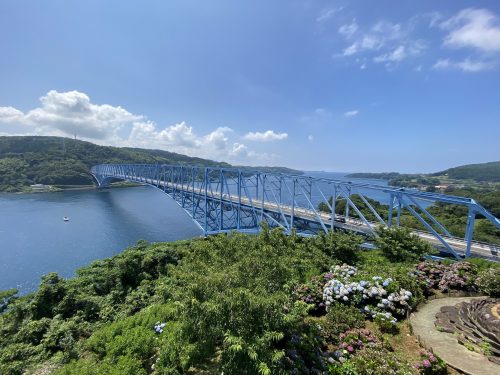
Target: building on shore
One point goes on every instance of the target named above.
(40, 187)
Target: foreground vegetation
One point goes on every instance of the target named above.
(238, 304)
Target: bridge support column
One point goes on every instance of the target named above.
(391, 207)
(469, 230)
(334, 206)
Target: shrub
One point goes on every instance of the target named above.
(459, 276)
(399, 244)
(245, 314)
(303, 350)
(51, 292)
(378, 361)
(430, 273)
(375, 296)
(120, 366)
(312, 293)
(32, 332)
(385, 322)
(430, 364)
(488, 282)
(6, 298)
(341, 247)
(341, 318)
(352, 341)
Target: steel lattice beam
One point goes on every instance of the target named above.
(227, 199)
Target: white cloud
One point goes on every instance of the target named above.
(432, 19)
(380, 35)
(72, 113)
(442, 64)
(310, 138)
(266, 136)
(466, 65)
(321, 112)
(382, 42)
(10, 114)
(349, 30)
(401, 52)
(327, 13)
(352, 113)
(179, 136)
(389, 30)
(239, 149)
(351, 50)
(395, 56)
(475, 28)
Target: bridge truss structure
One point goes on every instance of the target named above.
(228, 199)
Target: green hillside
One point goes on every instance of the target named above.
(63, 161)
(488, 172)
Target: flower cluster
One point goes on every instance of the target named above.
(351, 342)
(457, 276)
(374, 297)
(430, 364)
(344, 271)
(312, 293)
(430, 273)
(158, 328)
(489, 282)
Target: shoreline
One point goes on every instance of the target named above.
(57, 189)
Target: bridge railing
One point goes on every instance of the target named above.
(224, 199)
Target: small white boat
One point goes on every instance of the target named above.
(65, 218)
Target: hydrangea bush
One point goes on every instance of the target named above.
(430, 273)
(312, 293)
(377, 361)
(459, 276)
(430, 364)
(340, 318)
(456, 276)
(380, 298)
(488, 281)
(353, 341)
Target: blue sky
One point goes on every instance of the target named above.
(410, 86)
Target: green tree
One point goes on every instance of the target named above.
(399, 244)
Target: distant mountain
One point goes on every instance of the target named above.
(64, 161)
(484, 172)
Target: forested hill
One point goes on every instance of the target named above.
(484, 172)
(375, 175)
(63, 161)
(478, 172)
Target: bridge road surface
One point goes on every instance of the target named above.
(478, 249)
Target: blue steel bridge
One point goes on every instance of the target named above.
(228, 199)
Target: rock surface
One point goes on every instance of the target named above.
(476, 322)
(446, 345)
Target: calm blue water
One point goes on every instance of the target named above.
(34, 239)
(370, 193)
